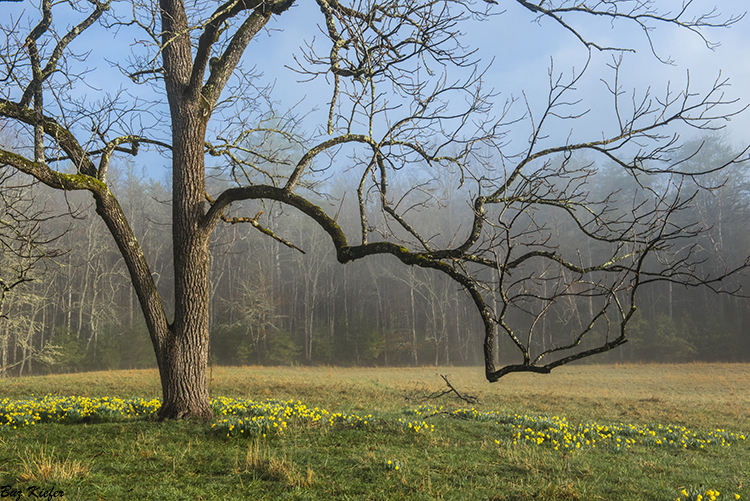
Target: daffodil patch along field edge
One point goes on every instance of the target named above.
(111, 448)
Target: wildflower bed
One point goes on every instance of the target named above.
(58, 409)
(237, 417)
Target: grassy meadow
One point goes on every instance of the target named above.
(619, 432)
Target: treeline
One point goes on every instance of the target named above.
(273, 304)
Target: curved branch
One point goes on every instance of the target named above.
(64, 138)
(320, 148)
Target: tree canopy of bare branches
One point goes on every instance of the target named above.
(404, 92)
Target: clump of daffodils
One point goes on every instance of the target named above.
(59, 409)
(351, 420)
(559, 433)
(242, 417)
(693, 494)
(475, 415)
(415, 426)
(425, 410)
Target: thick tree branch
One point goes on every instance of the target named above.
(61, 135)
(224, 66)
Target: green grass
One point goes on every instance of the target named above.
(367, 434)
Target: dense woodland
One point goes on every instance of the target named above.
(273, 304)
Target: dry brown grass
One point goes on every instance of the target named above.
(691, 394)
(41, 466)
(260, 461)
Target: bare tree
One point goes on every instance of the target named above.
(25, 246)
(404, 91)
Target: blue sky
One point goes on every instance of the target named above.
(521, 49)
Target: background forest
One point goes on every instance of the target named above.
(272, 304)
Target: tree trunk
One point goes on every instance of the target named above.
(184, 358)
(93, 322)
(183, 353)
(27, 342)
(70, 296)
(414, 356)
(183, 365)
(4, 337)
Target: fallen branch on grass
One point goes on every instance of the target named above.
(470, 399)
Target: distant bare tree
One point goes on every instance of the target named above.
(404, 92)
(25, 244)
